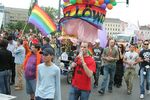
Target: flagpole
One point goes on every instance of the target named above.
(32, 3)
(35, 2)
(24, 29)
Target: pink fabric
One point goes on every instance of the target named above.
(84, 30)
(72, 39)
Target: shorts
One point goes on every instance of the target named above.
(30, 86)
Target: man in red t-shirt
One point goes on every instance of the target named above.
(84, 68)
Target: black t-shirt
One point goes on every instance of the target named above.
(6, 59)
(145, 54)
(97, 54)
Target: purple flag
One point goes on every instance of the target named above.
(102, 37)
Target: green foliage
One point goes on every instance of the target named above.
(28, 27)
(52, 12)
(10, 26)
(20, 25)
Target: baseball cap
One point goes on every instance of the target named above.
(48, 51)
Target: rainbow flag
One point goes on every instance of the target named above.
(42, 21)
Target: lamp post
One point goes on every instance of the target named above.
(59, 9)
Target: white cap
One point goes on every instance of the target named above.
(97, 40)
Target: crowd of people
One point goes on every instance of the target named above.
(31, 57)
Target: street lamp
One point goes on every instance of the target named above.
(127, 2)
(59, 9)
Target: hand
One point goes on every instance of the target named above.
(73, 64)
(130, 64)
(110, 58)
(134, 63)
(81, 55)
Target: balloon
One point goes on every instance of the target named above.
(114, 3)
(100, 1)
(109, 6)
(107, 1)
(92, 1)
(72, 1)
(66, 4)
(103, 6)
(96, 3)
(66, 0)
(79, 1)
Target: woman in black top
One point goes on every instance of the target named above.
(119, 67)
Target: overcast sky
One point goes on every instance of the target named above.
(138, 10)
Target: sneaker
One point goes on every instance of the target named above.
(118, 86)
(95, 86)
(142, 96)
(12, 83)
(129, 92)
(101, 92)
(148, 92)
(19, 88)
(110, 91)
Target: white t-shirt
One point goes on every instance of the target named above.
(11, 47)
(64, 56)
(131, 57)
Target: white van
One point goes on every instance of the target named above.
(125, 38)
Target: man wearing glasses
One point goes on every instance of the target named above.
(145, 69)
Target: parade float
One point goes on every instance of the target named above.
(84, 19)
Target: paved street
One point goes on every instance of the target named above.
(118, 93)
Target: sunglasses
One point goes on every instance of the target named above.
(83, 47)
(146, 44)
(45, 54)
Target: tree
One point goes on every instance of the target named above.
(52, 12)
(19, 25)
(10, 26)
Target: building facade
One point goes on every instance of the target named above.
(114, 26)
(145, 32)
(12, 15)
(1, 14)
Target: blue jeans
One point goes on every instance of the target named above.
(39, 98)
(96, 75)
(75, 94)
(142, 80)
(109, 69)
(5, 82)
